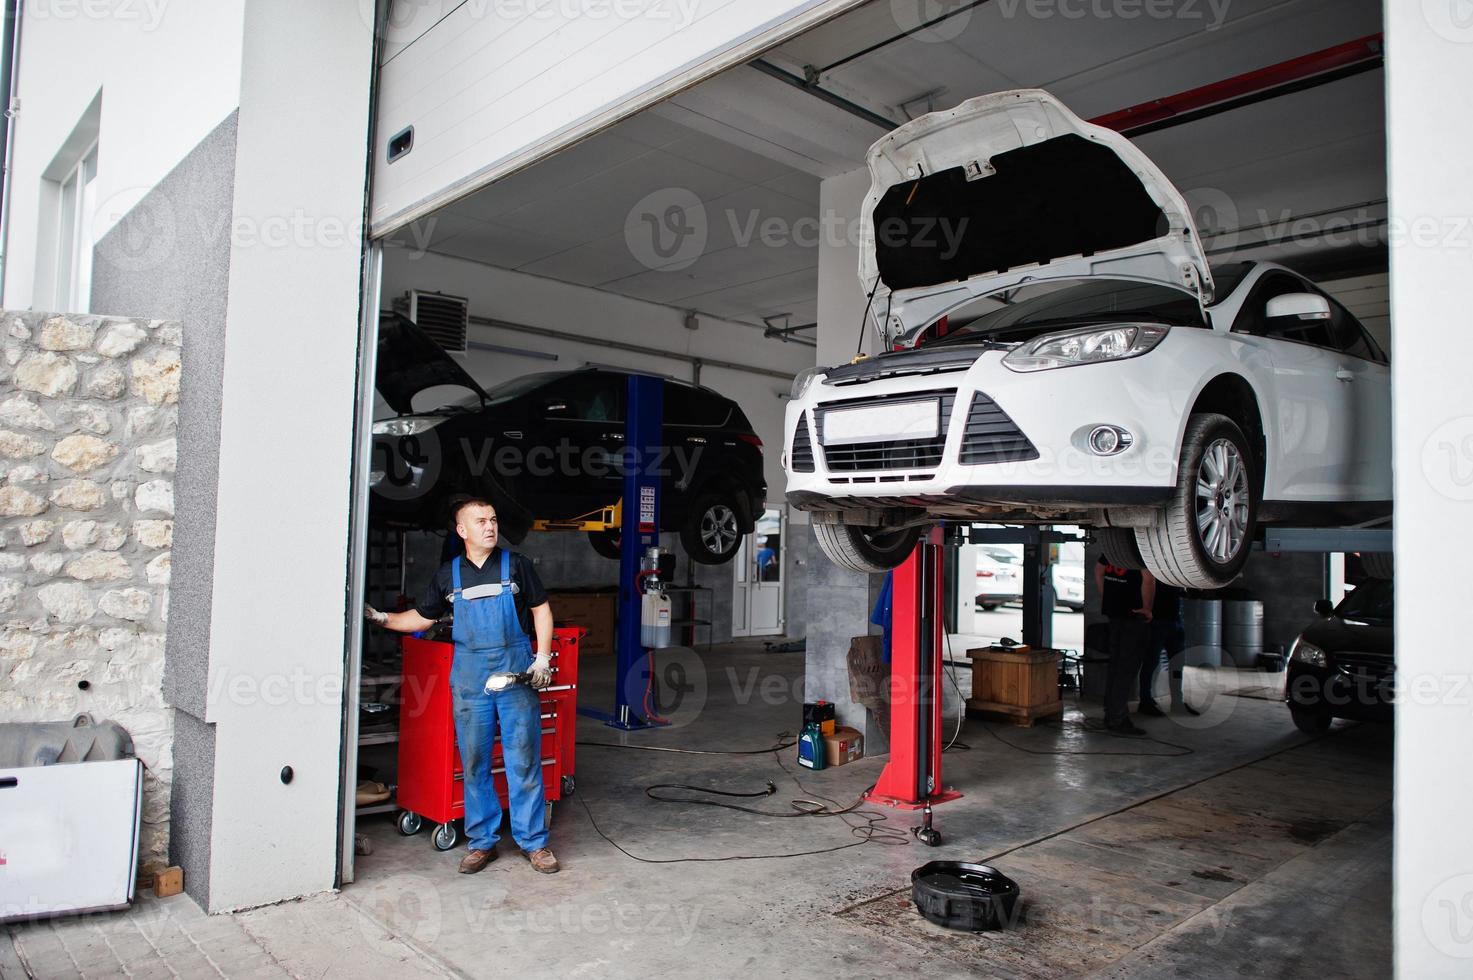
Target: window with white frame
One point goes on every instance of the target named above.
(77, 207)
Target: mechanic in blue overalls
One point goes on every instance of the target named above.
(497, 600)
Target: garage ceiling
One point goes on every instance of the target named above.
(749, 146)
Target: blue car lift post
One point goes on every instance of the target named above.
(643, 434)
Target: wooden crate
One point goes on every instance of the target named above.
(1018, 683)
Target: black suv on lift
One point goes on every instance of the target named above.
(550, 447)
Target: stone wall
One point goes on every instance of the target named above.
(88, 413)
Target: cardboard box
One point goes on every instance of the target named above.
(596, 610)
(845, 745)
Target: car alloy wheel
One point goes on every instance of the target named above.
(1201, 538)
(719, 531)
(712, 533)
(1222, 500)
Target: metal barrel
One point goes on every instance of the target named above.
(1242, 631)
(1203, 632)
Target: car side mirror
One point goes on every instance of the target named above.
(1324, 607)
(1299, 306)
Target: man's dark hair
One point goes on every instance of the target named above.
(458, 504)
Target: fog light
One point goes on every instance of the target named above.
(1109, 440)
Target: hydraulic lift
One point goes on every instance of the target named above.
(911, 780)
(639, 511)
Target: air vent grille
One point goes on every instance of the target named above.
(992, 437)
(443, 318)
(802, 458)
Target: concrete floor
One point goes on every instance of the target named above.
(1135, 859)
(1257, 839)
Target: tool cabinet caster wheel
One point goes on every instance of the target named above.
(409, 823)
(445, 837)
(568, 786)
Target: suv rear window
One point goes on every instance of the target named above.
(688, 405)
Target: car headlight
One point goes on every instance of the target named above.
(409, 425)
(804, 380)
(1308, 653)
(1056, 350)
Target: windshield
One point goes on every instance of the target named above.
(1371, 602)
(1027, 311)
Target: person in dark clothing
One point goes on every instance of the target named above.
(502, 624)
(1168, 640)
(1126, 597)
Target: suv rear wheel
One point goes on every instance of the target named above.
(866, 549)
(1201, 538)
(713, 532)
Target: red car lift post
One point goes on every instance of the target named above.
(911, 780)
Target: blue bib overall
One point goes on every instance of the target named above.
(488, 638)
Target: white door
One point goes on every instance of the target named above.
(472, 91)
(757, 598)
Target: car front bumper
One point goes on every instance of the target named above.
(1006, 439)
(1342, 693)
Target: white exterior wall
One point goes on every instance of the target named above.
(520, 298)
(291, 347)
(169, 73)
(1429, 70)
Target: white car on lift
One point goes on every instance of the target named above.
(1058, 351)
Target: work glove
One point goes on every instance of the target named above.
(539, 675)
(374, 616)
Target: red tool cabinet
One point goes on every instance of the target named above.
(431, 786)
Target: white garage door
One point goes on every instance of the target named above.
(470, 91)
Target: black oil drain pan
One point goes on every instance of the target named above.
(958, 895)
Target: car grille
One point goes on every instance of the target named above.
(1373, 666)
(802, 456)
(992, 437)
(899, 454)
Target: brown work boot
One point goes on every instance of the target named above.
(542, 861)
(476, 860)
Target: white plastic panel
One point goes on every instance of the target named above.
(492, 86)
(68, 837)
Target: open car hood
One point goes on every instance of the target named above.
(1008, 189)
(409, 362)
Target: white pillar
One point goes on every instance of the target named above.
(291, 347)
(1429, 71)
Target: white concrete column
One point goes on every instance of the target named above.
(291, 339)
(1429, 71)
(838, 601)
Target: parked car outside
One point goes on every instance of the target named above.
(999, 575)
(551, 446)
(1068, 572)
(1343, 665)
(1058, 351)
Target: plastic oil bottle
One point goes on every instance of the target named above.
(811, 754)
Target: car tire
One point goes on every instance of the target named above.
(712, 534)
(1378, 564)
(1311, 721)
(1216, 458)
(1119, 546)
(864, 549)
(988, 606)
(606, 543)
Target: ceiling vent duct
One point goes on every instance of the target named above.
(443, 318)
